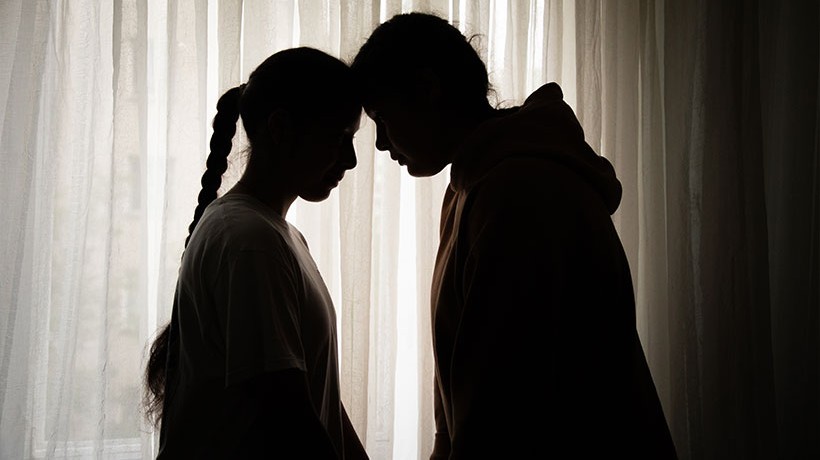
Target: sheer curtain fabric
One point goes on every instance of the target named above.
(709, 111)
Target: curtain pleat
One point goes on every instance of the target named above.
(25, 278)
(651, 271)
(790, 88)
(185, 134)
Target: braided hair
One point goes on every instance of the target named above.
(224, 125)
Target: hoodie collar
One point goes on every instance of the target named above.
(544, 126)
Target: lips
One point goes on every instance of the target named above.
(397, 158)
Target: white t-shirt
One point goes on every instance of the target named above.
(249, 300)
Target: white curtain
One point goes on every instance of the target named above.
(710, 112)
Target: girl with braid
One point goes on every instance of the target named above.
(247, 367)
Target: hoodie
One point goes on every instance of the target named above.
(533, 314)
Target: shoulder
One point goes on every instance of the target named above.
(235, 224)
(533, 196)
(525, 182)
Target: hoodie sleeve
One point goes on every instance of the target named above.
(516, 232)
(441, 443)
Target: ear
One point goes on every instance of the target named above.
(280, 127)
(427, 87)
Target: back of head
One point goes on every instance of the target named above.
(305, 82)
(410, 42)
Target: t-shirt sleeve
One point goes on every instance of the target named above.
(260, 289)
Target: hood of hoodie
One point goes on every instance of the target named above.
(543, 127)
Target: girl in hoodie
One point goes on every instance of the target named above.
(536, 349)
(247, 366)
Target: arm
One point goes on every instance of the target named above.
(354, 450)
(268, 407)
(505, 356)
(441, 444)
(274, 416)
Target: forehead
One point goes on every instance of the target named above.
(338, 118)
(383, 102)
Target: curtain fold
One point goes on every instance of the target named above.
(710, 113)
(23, 51)
(790, 50)
(728, 243)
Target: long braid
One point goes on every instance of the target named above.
(227, 114)
(224, 125)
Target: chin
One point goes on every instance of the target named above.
(421, 171)
(315, 197)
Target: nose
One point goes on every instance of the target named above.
(382, 141)
(348, 155)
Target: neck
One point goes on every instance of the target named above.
(463, 126)
(264, 189)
